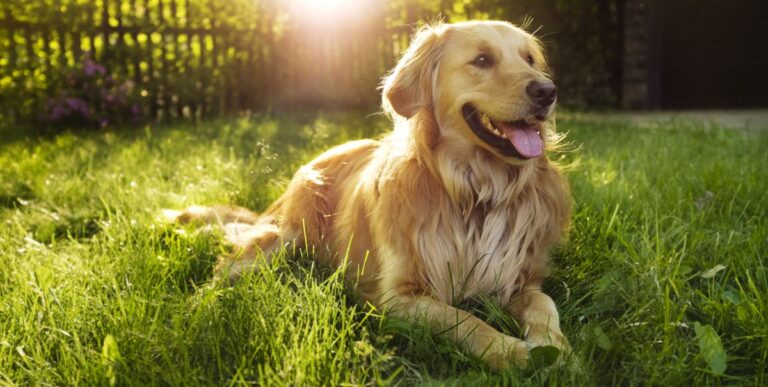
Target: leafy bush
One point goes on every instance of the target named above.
(90, 97)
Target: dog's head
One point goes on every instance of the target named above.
(485, 82)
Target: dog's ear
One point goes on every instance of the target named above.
(409, 86)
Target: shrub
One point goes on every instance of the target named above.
(90, 97)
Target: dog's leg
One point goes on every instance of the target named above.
(248, 234)
(498, 350)
(537, 313)
(220, 215)
(248, 242)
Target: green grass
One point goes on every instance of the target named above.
(669, 239)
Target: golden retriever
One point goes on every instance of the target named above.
(459, 200)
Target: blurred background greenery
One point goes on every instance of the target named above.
(133, 60)
(98, 62)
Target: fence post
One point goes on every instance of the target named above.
(188, 98)
(75, 36)
(105, 55)
(9, 24)
(179, 96)
(164, 101)
(137, 78)
(120, 52)
(202, 85)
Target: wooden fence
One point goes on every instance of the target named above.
(201, 58)
(196, 57)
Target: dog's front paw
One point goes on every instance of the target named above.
(506, 352)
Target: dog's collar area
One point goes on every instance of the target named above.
(511, 139)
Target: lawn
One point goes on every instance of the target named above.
(661, 282)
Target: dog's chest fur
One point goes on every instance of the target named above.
(485, 242)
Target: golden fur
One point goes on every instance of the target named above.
(431, 214)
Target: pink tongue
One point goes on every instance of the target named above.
(524, 138)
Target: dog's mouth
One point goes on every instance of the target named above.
(517, 138)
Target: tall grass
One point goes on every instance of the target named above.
(662, 280)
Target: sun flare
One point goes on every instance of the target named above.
(324, 11)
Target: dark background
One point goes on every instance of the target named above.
(712, 54)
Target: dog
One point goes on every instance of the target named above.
(459, 200)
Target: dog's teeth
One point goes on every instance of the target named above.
(488, 124)
(486, 121)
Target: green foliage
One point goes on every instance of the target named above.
(110, 358)
(194, 58)
(543, 356)
(660, 282)
(711, 347)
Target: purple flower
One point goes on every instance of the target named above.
(90, 68)
(91, 96)
(126, 87)
(58, 112)
(77, 105)
(73, 103)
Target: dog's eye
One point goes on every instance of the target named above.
(482, 61)
(529, 59)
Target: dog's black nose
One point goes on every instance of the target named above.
(543, 93)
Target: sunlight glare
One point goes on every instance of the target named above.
(324, 11)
